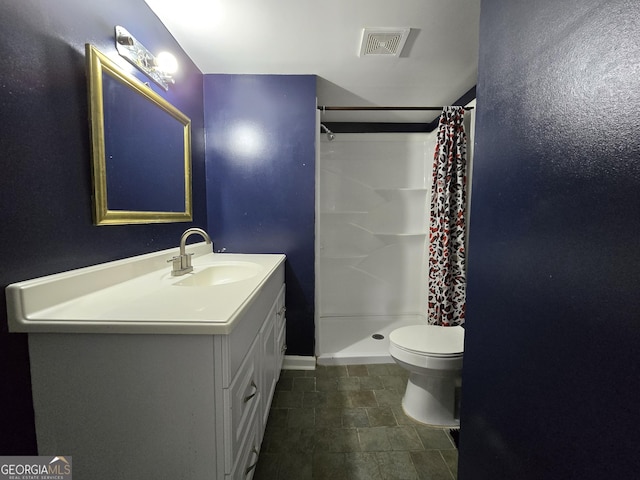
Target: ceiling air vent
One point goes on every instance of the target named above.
(383, 41)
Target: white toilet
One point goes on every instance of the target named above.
(433, 356)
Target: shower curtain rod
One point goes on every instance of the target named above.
(326, 108)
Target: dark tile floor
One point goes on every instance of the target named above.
(347, 423)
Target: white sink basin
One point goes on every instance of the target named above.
(139, 295)
(220, 274)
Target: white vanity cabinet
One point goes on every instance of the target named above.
(249, 374)
(161, 405)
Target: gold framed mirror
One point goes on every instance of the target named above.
(140, 149)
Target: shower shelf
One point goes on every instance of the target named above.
(344, 256)
(346, 212)
(391, 234)
(402, 189)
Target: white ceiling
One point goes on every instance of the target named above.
(438, 64)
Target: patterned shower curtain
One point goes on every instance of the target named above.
(447, 235)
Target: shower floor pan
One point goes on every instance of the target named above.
(356, 340)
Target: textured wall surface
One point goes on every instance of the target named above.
(45, 185)
(551, 369)
(260, 132)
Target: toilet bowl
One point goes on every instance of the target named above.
(433, 356)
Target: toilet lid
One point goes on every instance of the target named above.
(429, 339)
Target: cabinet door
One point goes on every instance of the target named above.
(281, 329)
(270, 361)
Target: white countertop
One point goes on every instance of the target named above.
(137, 295)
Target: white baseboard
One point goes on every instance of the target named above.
(299, 362)
(329, 360)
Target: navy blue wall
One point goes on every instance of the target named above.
(45, 185)
(552, 365)
(260, 157)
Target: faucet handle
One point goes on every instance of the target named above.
(181, 264)
(177, 263)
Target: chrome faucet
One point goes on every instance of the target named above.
(182, 262)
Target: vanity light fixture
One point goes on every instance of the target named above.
(159, 69)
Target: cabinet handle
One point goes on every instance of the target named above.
(254, 464)
(281, 311)
(249, 397)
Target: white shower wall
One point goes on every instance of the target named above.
(372, 228)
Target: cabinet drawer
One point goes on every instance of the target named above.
(241, 401)
(281, 348)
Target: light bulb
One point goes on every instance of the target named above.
(167, 62)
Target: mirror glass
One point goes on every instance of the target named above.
(141, 149)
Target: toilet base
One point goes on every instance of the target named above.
(432, 400)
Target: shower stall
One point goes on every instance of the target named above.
(372, 217)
